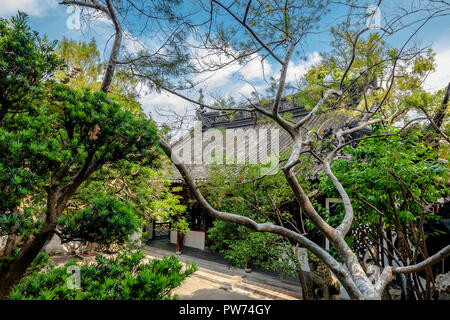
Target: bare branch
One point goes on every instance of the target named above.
(247, 27)
(110, 12)
(317, 107)
(93, 5)
(336, 267)
(284, 69)
(108, 77)
(389, 271)
(433, 123)
(442, 254)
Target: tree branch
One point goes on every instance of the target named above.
(342, 274)
(443, 253)
(389, 271)
(110, 12)
(255, 36)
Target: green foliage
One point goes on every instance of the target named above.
(223, 235)
(83, 68)
(107, 221)
(22, 224)
(127, 180)
(264, 250)
(25, 60)
(266, 198)
(125, 277)
(82, 65)
(94, 127)
(40, 262)
(71, 133)
(146, 188)
(271, 20)
(24, 165)
(54, 139)
(246, 190)
(394, 167)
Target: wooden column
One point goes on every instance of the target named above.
(179, 242)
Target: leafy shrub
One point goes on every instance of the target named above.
(264, 250)
(107, 221)
(125, 277)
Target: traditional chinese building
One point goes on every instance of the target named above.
(255, 138)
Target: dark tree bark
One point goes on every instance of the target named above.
(440, 113)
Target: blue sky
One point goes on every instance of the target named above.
(47, 17)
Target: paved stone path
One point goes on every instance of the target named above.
(214, 280)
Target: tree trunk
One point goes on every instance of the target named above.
(179, 242)
(16, 270)
(30, 249)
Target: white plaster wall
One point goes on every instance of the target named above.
(54, 246)
(303, 258)
(3, 240)
(192, 239)
(173, 236)
(149, 231)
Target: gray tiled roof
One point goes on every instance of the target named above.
(243, 125)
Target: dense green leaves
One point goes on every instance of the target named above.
(25, 61)
(397, 175)
(125, 277)
(92, 127)
(263, 250)
(107, 221)
(262, 198)
(26, 151)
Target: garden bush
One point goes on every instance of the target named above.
(108, 220)
(124, 277)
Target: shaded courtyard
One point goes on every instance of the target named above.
(217, 280)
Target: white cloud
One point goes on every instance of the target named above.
(31, 7)
(441, 77)
(296, 71)
(255, 70)
(162, 99)
(132, 44)
(162, 106)
(233, 80)
(208, 60)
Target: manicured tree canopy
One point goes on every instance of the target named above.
(50, 151)
(25, 61)
(125, 277)
(108, 220)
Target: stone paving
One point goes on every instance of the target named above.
(216, 280)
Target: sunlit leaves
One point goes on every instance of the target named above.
(25, 61)
(125, 277)
(401, 166)
(108, 220)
